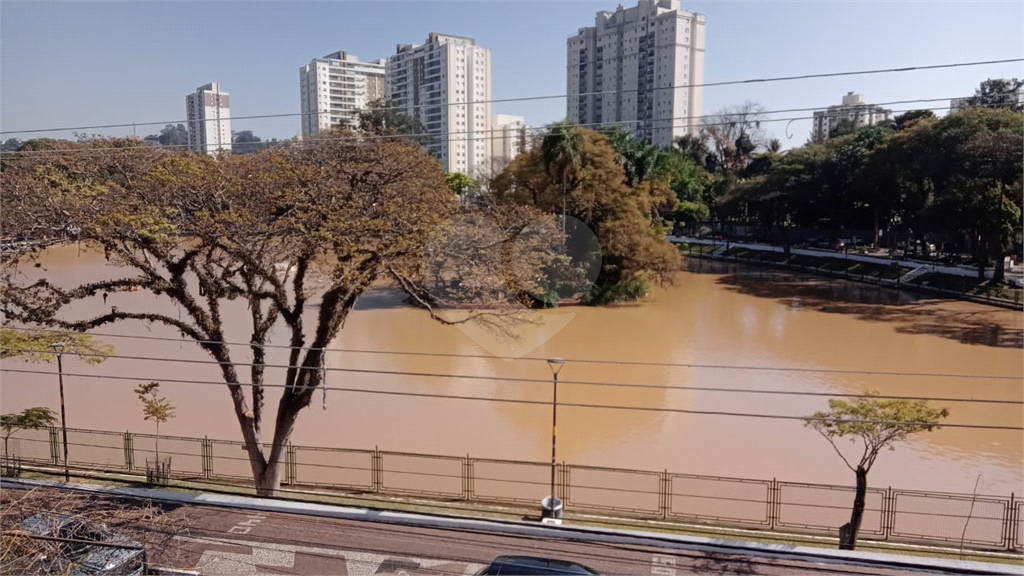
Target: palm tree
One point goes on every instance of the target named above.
(562, 149)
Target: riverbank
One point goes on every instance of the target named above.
(924, 279)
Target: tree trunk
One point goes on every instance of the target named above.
(999, 271)
(158, 443)
(982, 256)
(268, 481)
(848, 537)
(876, 230)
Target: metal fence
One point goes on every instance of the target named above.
(979, 522)
(840, 268)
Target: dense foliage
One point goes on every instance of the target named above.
(620, 192)
(956, 180)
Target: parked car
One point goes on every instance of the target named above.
(531, 565)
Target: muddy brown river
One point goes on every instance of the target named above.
(713, 315)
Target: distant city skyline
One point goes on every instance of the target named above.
(61, 61)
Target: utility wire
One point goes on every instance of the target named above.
(361, 138)
(615, 406)
(580, 383)
(554, 96)
(690, 365)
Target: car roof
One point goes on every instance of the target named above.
(533, 565)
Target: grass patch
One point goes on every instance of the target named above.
(696, 249)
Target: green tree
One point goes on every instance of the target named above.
(383, 118)
(155, 408)
(460, 184)
(581, 174)
(871, 425)
(28, 419)
(562, 151)
(974, 159)
(245, 142)
(40, 144)
(173, 135)
(910, 117)
(279, 230)
(35, 346)
(1001, 93)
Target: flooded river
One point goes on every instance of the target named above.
(712, 316)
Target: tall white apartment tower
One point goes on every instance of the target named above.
(635, 66)
(446, 84)
(508, 139)
(333, 90)
(209, 120)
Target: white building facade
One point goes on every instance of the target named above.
(446, 84)
(209, 120)
(508, 139)
(333, 90)
(853, 109)
(641, 67)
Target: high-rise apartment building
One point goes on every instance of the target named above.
(209, 120)
(508, 139)
(335, 88)
(446, 84)
(853, 109)
(640, 67)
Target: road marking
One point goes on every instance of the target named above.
(246, 526)
(662, 565)
(271, 555)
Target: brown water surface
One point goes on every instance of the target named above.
(712, 315)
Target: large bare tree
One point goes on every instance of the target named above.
(321, 220)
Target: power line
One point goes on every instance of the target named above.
(690, 365)
(537, 129)
(555, 96)
(592, 406)
(766, 391)
(359, 138)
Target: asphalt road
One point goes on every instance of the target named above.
(236, 542)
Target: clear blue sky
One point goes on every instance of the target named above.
(78, 63)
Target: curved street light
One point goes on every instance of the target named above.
(58, 347)
(556, 365)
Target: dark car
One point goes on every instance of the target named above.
(531, 565)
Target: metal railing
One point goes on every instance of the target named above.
(981, 522)
(844, 271)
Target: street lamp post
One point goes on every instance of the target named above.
(556, 366)
(58, 347)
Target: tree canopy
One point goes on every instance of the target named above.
(298, 233)
(956, 178)
(579, 171)
(36, 346)
(871, 425)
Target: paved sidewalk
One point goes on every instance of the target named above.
(233, 535)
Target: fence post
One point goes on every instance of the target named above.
(467, 478)
(206, 449)
(378, 473)
(773, 504)
(129, 452)
(1009, 523)
(289, 470)
(666, 494)
(888, 513)
(54, 445)
(563, 489)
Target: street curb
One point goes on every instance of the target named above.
(577, 533)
